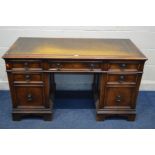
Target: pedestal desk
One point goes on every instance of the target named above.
(117, 66)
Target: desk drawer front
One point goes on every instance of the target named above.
(124, 66)
(77, 66)
(122, 78)
(119, 96)
(24, 65)
(29, 96)
(27, 77)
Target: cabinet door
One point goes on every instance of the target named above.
(29, 97)
(118, 97)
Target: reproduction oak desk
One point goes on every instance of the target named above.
(117, 65)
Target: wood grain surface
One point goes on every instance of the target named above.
(74, 48)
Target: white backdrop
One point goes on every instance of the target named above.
(143, 37)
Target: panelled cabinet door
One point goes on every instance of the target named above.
(30, 97)
(117, 97)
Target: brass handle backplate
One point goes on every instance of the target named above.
(92, 66)
(29, 97)
(121, 78)
(123, 65)
(27, 77)
(26, 65)
(118, 98)
(58, 65)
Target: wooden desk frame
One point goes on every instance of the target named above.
(116, 81)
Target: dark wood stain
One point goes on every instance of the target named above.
(117, 65)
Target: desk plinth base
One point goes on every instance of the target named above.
(45, 113)
(17, 115)
(102, 115)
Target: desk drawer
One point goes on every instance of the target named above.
(76, 66)
(122, 78)
(24, 65)
(29, 97)
(123, 66)
(27, 77)
(119, 96)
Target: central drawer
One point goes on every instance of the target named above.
(76, 66)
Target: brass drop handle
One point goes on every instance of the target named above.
(58, 65)
(123, 65)
(27, 77)
(118, 98)
(26, 65)
(29, 97)
(7, 66)
(121, 78)
(92, 66)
